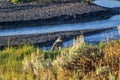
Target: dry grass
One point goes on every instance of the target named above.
(97, 64)
(87, 62)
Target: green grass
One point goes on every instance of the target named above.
(87, 62)
(47, 1)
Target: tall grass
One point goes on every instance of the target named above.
(79, 62)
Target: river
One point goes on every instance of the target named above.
(103, 36)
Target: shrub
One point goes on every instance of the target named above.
(87, 1)
(15, 1)
(21, 1)
(50, 54)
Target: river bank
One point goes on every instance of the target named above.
(45, 39)
(13, 16)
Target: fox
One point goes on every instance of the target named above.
(57, 44)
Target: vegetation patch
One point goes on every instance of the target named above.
(50, 1)
(84, 62)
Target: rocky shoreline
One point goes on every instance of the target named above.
(20, 15)
(45, 39)
(13, 16)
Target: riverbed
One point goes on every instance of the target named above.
(114, 21)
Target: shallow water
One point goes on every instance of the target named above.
(100, 37)
(94, 39)
(113, 21)
(108, 3)
(103, 36)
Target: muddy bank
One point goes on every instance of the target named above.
(36, 15)
(45, 39)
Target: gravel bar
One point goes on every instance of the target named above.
(12, 16)
(45, 39)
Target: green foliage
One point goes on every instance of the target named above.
(6, 54)
(101, 44)
(50, 1)
(24, 51)
(50, 54)
(87, 1)
(111, 77)
(11, 57)
(21, 1)
(15, 1)
(90, 62)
